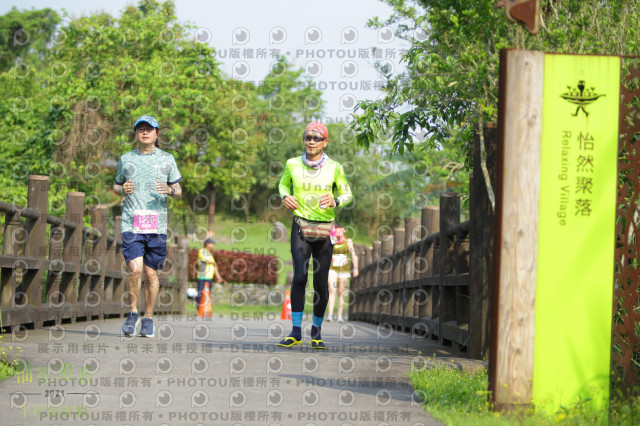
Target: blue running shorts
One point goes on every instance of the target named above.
(151, 247)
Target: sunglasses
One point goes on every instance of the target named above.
(145, 129)
(309, 138)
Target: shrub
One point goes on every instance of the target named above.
(240, 267)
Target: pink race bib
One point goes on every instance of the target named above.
(145, 221)
(337, 235)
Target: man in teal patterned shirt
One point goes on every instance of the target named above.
(146, 176)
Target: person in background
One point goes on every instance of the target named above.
(207, 267)
(344, 255)
(307, 187)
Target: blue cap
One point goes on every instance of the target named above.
(149, 119)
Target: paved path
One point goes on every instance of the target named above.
(224, 371)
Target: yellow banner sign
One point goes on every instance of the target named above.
(574, 286)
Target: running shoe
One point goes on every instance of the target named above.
(130, 324)
(147, 328)
(289, 341)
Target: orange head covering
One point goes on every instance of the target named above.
(318, 127)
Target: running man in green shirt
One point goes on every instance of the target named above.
(307, 187)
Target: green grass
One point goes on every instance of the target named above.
(6, 370)
(460, 397)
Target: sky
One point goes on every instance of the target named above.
(329, 39)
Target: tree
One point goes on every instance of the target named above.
(451, 80)
(24, 34)
(274, 115)
(74, 116)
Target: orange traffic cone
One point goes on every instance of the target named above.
(204, 309)
(286, 306)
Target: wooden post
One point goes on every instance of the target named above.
(72, 251)
(430, 221)
(365, 307)
(461, 251)
(54, 297)
(429, 224)
(368, 259)
(377, 281)
(411, 235)
(398, 246)
(36, 247)
(109, 262)
(160, 308)
(12, 229)
(120, 266)
(100, 221)
(182, 273)
(113, 275)
(398, 276)
(481, 229)
(387, 270)
(516, 232)
(173, 290)
(386, 250)
(353, 302)
(449, 216)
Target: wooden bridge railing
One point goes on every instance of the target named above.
(55, 270)
(432, 277)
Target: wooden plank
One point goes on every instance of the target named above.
(410, 321)
(55, 266)
(449, 216)
(70, 267)
(453, 280)
(395, 308)
(454, 333)
(513, 322)
(12, 228)
(386, 250)
(26, 314)
(113, 309)
(411, 236)
(72, 251)
(182, 272)
(100, 221)
(114, 273)
(481, 229)
(433, 324)
(19, 262)
(411, 284)
(36, 244)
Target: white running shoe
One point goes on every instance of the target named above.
(329, 318)
(340, 319)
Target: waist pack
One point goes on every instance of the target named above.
(312, 230)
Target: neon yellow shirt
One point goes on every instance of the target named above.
(308, 184)
(206, 264)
